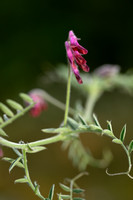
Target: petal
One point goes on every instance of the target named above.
(76, 72)
(75, 45)
(81, 61)
(69, 52)
(79, 48)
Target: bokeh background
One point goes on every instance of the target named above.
(32, 35)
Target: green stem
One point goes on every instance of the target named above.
(57, 103)
(26, 170)
(67, 96)
(90, 103)
(10, 120)
(50, 140)
(28, 176)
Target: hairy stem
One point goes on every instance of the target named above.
(67, 96)
(28, 176)
(57, 103)
(50, 140)
(10, 120)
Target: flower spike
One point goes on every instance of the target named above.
(74, 51)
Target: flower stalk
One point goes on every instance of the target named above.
(68, 96)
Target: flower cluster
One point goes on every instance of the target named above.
(38, 98)
(74, 53)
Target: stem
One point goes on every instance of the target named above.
(67, 96)
(71, 190)
(129, 158)
(28, 176)
(90, 103)
(57, 103)
(54, 139)
(26, 170)
(10, 120)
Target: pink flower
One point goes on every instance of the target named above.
(74, 53)
(38, 98)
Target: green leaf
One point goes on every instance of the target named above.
(14, 163)
(35, 149)
(117, 141)
(123, 133)
(37, 191)
(109, 126)
(19, 164)
(78, 198)
(14, 105)
(6, 110)
(96, 121)
(59, 197)
(64, 187)
(78, 190)
(56, 130)
(21, 180)
(1, 120)
(108, 133)
(94, 128)
(26, 97)
(3, 133)
(72, 123)
(65, 196)
(82, 120)
(130, 147)
(17, 152)
(51, 193)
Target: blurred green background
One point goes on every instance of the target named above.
(32, 35)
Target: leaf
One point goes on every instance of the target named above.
(6, 110)
(14, 163)
(64, 187)
(51, 193)
(37, 191)
(3, 133)
(35, 149)
(96, 121)
(17, 152)
(78, 190)
(72, 123)
(130, 147)
(117, 141)
(65, 196)
(123, 133)
(19, 164)
(21, 180)
(109, 126)
(14, 105)
(82, 120)
(1, 120)
(94, 128)
(56, 130)
(108, 133)
(26, 97)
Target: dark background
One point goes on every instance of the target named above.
(32, 36)
(33, 33)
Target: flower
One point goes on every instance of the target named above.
(40, 104)
(74, 51)
(107, 70)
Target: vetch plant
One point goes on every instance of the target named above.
(82, 121)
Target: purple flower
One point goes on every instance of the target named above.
(38, 98)
(107, 70)
(74, 53)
